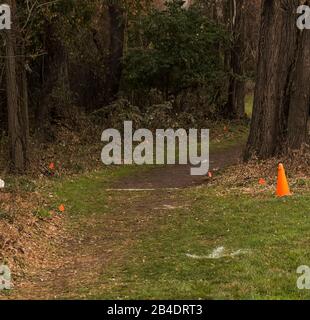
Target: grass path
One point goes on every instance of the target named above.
(141, 244)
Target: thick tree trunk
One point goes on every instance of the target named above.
(281, 95)
(16, 100)
(114, 63)
(235, 107)
(300, 94)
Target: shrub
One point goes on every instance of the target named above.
(175, 50)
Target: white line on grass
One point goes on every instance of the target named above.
(134, 190)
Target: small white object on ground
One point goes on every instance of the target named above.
(2, 184)
(194, 256)
(218, 253)
(170, 207)
(134, 190)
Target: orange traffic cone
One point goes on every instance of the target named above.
(282, 187)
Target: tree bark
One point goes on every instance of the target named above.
(282, 86)
(114, 63)
(235, 107)
(16, 99)
(300, 94)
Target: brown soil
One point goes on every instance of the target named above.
(178, 176)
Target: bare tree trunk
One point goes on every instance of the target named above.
(117, 37)
(300, 94)
(281, 102)
(24, 92)
(235, 107)
(17, 111)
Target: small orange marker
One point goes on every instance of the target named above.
(262, 181)
(210, 174)
(282, 185)
(52, 166)
(62, 208)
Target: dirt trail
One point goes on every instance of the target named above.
(178, 176)
(101, 240)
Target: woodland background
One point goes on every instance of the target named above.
(72, 68)
(178, 64)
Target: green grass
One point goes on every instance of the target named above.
(84, 195)
(274, 231)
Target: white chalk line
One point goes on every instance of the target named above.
(137, 190)
(218, 253)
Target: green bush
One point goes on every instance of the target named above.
(175, 50)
